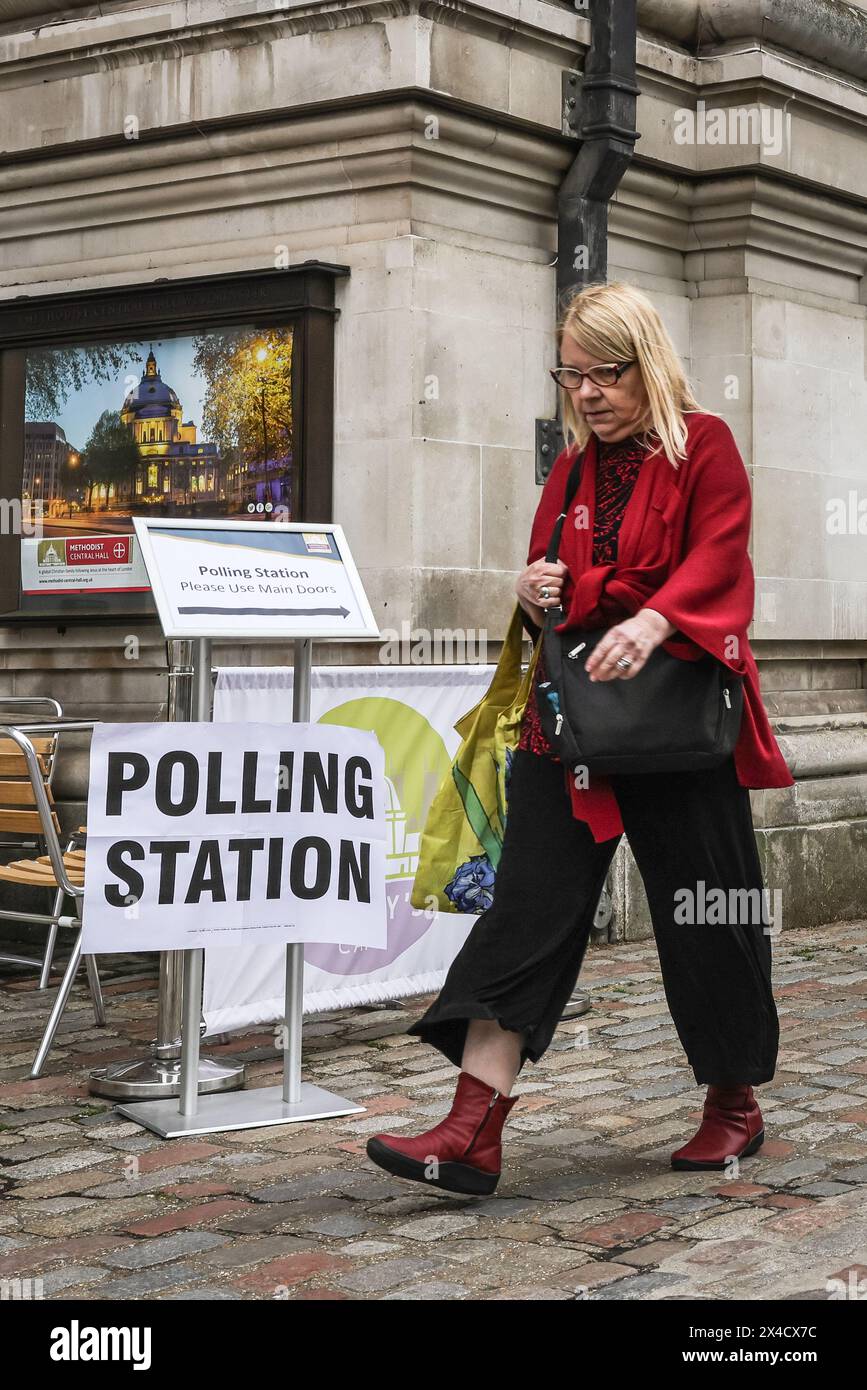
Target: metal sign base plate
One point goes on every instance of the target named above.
(156, 1080)
(239, 1110)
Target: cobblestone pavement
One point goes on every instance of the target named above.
(97, 1208)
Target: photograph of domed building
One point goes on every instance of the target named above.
(198, 425)
(175, 467)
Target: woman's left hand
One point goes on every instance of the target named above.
(633, 641)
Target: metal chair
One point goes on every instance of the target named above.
(59, 868)
(18, 818)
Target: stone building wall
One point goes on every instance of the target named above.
(421, 145)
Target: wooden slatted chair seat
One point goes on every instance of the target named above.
(38, 872)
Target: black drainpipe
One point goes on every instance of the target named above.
(599, 110)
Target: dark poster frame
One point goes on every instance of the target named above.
(300, 296)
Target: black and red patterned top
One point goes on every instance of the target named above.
(617, 468)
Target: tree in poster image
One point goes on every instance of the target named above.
(110, 456)
(247, 407)
(72, 480)
(55, 374)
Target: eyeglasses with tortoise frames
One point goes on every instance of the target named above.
(602, 374)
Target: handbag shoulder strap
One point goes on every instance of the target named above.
(571, 488)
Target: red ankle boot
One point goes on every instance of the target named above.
(731, 1127)
(462, 1152)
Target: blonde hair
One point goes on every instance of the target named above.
(617, 323)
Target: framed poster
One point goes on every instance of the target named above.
(180, 400)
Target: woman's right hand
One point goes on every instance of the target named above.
(527, 586)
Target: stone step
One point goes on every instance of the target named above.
(812, 801)
(818, 723)
(819, 750)
(814, 702)
(807, 673)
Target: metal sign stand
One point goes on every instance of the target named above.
(271, 1105)
(158, 1077)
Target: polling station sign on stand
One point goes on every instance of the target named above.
(212, 834)
(253, 831)
(253, 579)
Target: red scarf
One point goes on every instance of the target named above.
(682, 550)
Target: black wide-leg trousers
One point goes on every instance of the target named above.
(691, 833)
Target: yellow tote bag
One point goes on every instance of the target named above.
(463, 833)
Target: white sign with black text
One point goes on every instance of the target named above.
(211, 834)
(246, 579)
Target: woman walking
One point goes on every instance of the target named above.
(654, 551)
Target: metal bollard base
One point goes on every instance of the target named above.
(247, 1110)
(577, 1004)
(156, 1079)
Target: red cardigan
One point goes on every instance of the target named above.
(682, 550)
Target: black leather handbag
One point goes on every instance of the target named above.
(674, 716)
